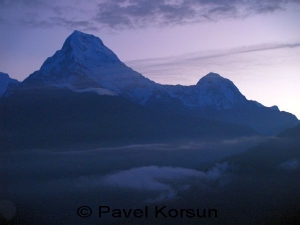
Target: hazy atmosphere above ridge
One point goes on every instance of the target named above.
(254, 44)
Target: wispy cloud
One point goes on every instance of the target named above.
(214, 54)
(218, 60)
(292, 164)
(124, 14)
(169, 181)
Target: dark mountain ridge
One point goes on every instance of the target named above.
(5, 82)
(61, 117)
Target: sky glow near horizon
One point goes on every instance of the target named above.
(254, 44)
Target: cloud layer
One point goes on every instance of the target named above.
(124, 14)
(136, 13)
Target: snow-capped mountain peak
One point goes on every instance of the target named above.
(222, 91)
(212, 91)
(214, 79)
(80, 53)
(85, 62)
(88, 47)
(210, 78)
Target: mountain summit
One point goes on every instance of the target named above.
(211, 78)
(85, 64)
(223, 90)
(85, 48)
(212, 91)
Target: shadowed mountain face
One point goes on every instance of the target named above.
(293, 133)
(267, 178)
(5, 82)
(85, 64)
(59, 117)
(281, 153)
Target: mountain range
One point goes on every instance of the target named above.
(85, 72)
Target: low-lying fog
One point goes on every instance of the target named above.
(47, 186)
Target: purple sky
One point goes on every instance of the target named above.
(256, 44)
